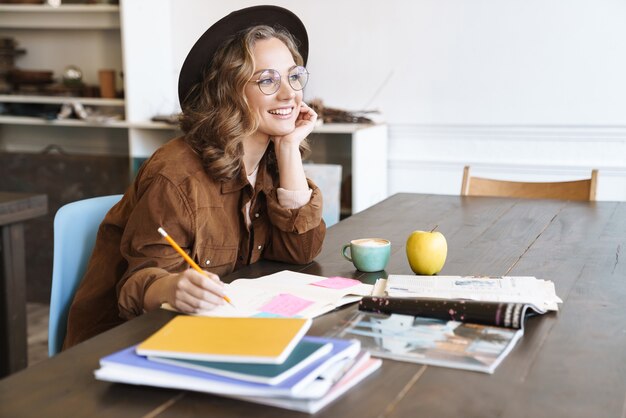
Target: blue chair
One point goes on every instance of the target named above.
(328, 178)
(75, 228)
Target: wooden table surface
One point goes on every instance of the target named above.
(568, 364)
(15, 208)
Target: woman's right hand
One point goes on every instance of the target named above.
(191, 291)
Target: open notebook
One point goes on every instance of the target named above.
(288, 293)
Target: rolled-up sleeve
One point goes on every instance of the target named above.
(148, 255)
(293, 199)
(297, 234)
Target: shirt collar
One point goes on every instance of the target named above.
(236, 183)
(264, 179)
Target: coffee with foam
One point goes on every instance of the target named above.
(368, 254)
(370, 242)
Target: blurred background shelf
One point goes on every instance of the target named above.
(71, 16)
(31, 121)
(95, 101)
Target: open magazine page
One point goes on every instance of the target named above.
(516, 289)
(430, 341)
(500, 314)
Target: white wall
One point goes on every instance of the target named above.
(514, 88)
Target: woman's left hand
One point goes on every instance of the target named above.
(287, 149)
(305, 122)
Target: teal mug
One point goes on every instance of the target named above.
(368, 254)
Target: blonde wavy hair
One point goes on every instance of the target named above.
(218, 118)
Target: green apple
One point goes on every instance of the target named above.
(426, 252)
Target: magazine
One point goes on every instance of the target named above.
(501, 301)
(540, 294)
(500, 314)
(431, 341)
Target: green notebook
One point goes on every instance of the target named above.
(305, 353)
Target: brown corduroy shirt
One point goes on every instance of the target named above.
(204, 216)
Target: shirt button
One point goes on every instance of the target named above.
(256, 215)
(240, 257)
(207, 262)
(259, 247)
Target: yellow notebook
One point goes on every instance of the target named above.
(237, 340)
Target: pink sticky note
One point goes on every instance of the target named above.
(337, 283)
(286, 305)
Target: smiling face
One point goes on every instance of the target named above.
(276, 113)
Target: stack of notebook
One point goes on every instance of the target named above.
(263, 360)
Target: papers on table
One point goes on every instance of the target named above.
(288, 293)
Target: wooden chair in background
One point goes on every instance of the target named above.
(582, 190)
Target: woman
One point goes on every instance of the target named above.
(231, 191)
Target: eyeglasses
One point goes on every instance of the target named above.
(269, 80)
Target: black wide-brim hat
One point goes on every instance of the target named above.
(201, 54)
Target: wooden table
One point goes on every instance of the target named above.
(15, 208)
(570, 364)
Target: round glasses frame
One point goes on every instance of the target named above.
(269, 80)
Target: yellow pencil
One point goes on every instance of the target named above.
(188, 259)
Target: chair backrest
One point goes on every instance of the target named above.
(582, 190)
(328, 178)
(75, 228)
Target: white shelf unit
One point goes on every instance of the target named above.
(132, 38)
(148, 68)
(70, 16)
(361, 150)
(86, 36)
(95, 101)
